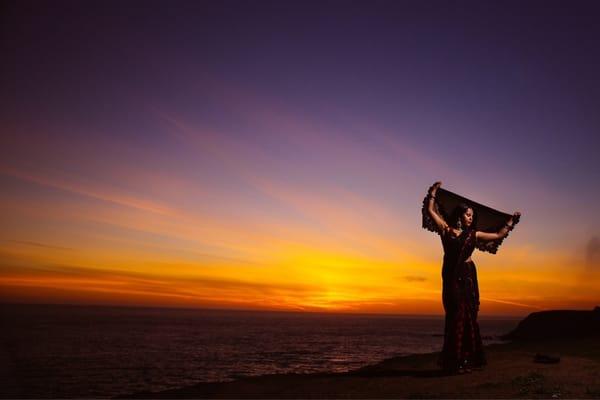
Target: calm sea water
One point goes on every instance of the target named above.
(83, 351)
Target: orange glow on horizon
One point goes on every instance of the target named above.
(234, 226)
(310, 281)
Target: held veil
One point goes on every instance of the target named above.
(488, 219)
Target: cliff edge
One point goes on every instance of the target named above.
(557, 324)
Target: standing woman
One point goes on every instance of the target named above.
(463, 348)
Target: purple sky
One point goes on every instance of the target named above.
(504, 85)
(252, 110)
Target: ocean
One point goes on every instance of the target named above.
(98, 351)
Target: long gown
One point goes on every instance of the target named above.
(463, 347)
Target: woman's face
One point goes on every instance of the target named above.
(467, 217)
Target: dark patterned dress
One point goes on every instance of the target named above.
(460, 295)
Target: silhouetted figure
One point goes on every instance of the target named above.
(463, 348)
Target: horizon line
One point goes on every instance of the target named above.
(253, 310)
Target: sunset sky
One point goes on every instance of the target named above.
(274, 155)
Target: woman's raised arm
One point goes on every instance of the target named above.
(503, 232)
(437, 218)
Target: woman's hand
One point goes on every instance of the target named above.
(433, 212)
(516, 216)
(503, 232)
(435, 187)
(514, 219)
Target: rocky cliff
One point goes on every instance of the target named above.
(557, 324)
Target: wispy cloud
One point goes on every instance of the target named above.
(415, 278)
(37, 244)
(57, 183)
(512, 303)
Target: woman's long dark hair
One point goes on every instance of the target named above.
(458, 211)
